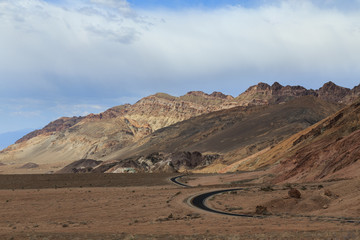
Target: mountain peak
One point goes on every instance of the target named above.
(330, 86)
(276, 86)
(213, 95)
(164, 95)
(332, 92)
(262, 86)
(221, 96)
(196, 93)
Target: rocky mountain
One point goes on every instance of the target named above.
(136, 129)
(262, 93)
(327, 150)
(69, 139)
(249, 128)
(179, 147)
(157, 111)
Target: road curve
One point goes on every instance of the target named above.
(174, 180)
(199, 202)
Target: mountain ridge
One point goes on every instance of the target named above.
(99, 135)
(260, 94)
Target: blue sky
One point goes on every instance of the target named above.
(176, 4)
(181, 4)
(67, 58)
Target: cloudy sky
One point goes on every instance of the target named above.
(67, 57)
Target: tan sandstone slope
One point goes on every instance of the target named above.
(68, 139)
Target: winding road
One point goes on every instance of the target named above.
(175, 180)
(199, 201)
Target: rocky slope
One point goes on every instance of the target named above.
(327, 150)
(245, 130)
(100, 136)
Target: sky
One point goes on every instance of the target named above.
(71, 58)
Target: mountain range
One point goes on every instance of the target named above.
(266, 126)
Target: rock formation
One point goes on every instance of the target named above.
(327, 150)
(294, 193)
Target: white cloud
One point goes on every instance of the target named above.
(102, 49)
(292, 41)
(102, 45)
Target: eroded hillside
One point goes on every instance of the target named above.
(327, 150)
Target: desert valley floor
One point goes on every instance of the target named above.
(150, 206)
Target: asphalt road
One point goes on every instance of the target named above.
(199, 201)
(174, 180)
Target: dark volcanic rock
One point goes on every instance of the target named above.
(187, 159)
(154, 162)
(155, 157)
(80, 166)
(261, 210)
(294, 193)
(29, 165)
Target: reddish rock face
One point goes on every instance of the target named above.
(59, 125)
(330, 149)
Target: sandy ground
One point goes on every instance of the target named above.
(158, 211)
(315, 201)
(241, 178)
(43, 168)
